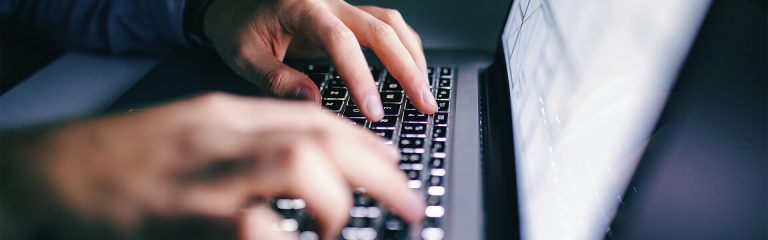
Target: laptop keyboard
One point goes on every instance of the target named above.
(422, 140)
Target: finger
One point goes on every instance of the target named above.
(258, 222)
(225, 135)
(344, 49)
(283, 80)
(290, 165)
(353, 136)
(364, 167)
(315, 179)
(385, 42)
(407, 35)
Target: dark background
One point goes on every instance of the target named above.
(704, 174)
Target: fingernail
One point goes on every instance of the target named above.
(304, 94)
(427, 97)
(373, 105)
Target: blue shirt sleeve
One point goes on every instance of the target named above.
(107, 26)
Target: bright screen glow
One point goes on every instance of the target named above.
(589, 79)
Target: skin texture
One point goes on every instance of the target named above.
(210, 158)
(253, 37)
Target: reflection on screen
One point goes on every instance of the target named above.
(589, 78)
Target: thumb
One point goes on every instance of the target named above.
(284, 81)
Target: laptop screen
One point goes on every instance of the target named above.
(588, 81)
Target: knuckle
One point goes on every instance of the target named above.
(277, 80)
(380, 29)
(338, 33)
(211, 101)
(391, 15)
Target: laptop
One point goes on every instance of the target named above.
(537, 141)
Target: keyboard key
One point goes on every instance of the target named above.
(413, 129)
(434, 200)
(286, 204)
(356, 233)
(445, 71)
(333, 105)
(360, 222)
(384, 133)
(391, 109)
(414, 116)
(358, 121)
(409, 105)
(411, 150)
(410, 158)
(439, 133)
(318, 78)
(352, 112)
(335, 93)
(430, 75)
(411, 143)
(436, 162)
(436, 190)
(391, 87)
(365, 212)
(434, 211)
(376, 73)
(437, 172)
(392, 97)
(444, 83)
(394, 228)
(411, 166)
(362, 200)
(442, 105)
(317, 69)
(412, 174)
(435, 181)
(443, 94)
(432, 234)
(432, 223)
(389, 78)
(441, 119)
(438, 147)
(388, 122)
(335, 82)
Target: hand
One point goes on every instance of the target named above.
(253, 37)
(212, 156)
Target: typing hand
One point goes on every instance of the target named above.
(253, 37)
(212, 156)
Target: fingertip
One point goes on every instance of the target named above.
(391, 152)
(373, 108)
(430, 104)
(413, 211)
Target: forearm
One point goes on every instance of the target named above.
(111, 26)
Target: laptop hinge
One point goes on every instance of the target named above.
(498, 163)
